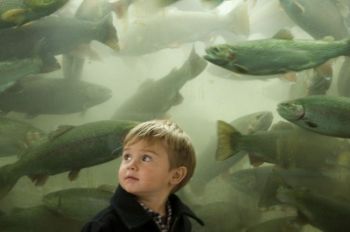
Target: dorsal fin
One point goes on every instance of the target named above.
(60, 131)
(283, 34)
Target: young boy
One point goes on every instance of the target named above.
(157, 160)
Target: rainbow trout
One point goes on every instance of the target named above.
(18, 12)
(68, 149)
(275, 56)
(328, 115)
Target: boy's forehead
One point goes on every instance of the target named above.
(146, 143)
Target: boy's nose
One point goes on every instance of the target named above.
(132, 165)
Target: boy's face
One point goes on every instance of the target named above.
(145, 169)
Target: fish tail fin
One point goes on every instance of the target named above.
(8, 179)
(120, 8)
(238, 19)
(107, 29)
(228, 138)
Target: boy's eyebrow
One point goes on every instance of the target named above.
(144, 150)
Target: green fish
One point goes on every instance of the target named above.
(38, 95)
(328, 115)
(319, 18)
(275, 56)
(18, 12)
(207, 168)
(79, 204)
(61, 35)
(68, 149)
(15, 69)
(285, 145)
(154, 98)
(16, 136)
(327, 214)
(37, 219)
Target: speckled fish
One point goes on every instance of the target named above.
(327, 214)
(18, 12)
(15, 69)
(173, 27)
(79, 204)
(93, 11)
(68, 149)
(37, 219)
(285, 145)
(275, 56)
(319, 18)
(16, 136)
(328, 115)
(154, 98)
(207, 168)
(263, 182)
(38, 95)
(61, 35)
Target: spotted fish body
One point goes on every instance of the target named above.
(69, 148)
(328, 115)
(275, 56)
(17, 12)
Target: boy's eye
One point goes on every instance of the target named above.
(146, 158)
(126, 157)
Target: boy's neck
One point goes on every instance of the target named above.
(155, 203)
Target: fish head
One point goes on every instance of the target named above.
(261, 122)
(221, 55)
(96, 94)
(291, 111)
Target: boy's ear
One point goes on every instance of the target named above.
(178, 175)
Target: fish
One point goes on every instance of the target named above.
(40, 95)
(327, 214)
(207, 168)
(155, 97)
(321, 80)
(343, 83)
(79, 204)
(15, 69)
(263, 182)
(275, 56)
(62, 35)
(327, 115)
(93, 11)
(16, 136)
(214, 215)
(171, 28)
(38, 219)
(68, 149)
(17, 12)
(285, 224)
(318, 18)
(285, 145)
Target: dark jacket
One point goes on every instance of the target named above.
(126, 214)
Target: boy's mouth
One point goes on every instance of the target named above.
(131, 178)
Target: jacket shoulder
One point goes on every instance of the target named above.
(106, 220)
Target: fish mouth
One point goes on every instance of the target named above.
(291, 111)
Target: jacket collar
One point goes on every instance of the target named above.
(133, 215)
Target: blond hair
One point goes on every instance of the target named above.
(176, 141)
